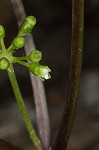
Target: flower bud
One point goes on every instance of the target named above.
(41, 71)
(35, 56)
(27, 26)
(4, 63)
(2, 32)
(18, 42)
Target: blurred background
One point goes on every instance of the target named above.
(52, 35)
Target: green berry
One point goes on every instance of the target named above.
(35, 56)
(4, 63)
(27, 26)
(2, 32)
(18, 42)
(41, 71)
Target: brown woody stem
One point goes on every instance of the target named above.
(75, 73)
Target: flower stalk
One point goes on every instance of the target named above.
(22, 108)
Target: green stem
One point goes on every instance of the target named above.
(23, 63)
(2, 45)
(19, 60)
(22, 108)
(22, 58)
(10, 48)
(75, 73)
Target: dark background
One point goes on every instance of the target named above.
(52, 35)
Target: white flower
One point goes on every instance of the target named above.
(44, 72)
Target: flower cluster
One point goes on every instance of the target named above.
(32, 60)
